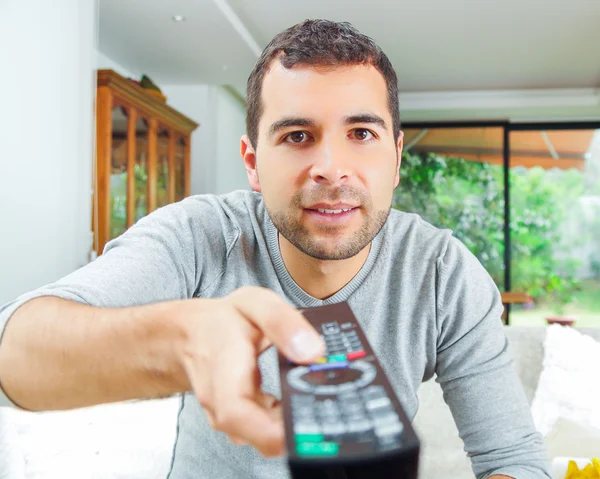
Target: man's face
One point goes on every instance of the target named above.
(326, 160)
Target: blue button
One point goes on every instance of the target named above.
(325, 366)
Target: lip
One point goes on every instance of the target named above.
(332, 218)
(335, 206)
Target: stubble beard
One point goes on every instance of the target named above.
(289, 225)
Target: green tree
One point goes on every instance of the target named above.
(467, 197)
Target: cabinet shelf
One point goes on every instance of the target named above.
(143, 149)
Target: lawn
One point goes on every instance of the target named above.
(586, 309)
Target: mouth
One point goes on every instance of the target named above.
(332, 214)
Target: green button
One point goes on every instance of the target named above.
(317, 448)
(309, 437)
(339, 357)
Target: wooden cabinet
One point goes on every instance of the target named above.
(142, 155)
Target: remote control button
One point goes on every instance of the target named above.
(356, 355)
(381, 421)
(328, 409)
(379, 402)
(332, 418)
(351, 405)
(339, 357)
(368, 370)
(330, 328)
(309, 437)
(304, 412)
(302, 399)
(327, 405)
(356, 415)
(326, 389)
(352, 409)
(373, 392)
(307, 428)
(336, 353)
(387, 413)
(332, 349)
(359, 426)
(317, 448)
(328, 417)
(333, 428)
(294, 378)
(389, 429)
(349, 397)
(328, 365)
(346, 387)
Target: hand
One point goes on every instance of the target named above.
(220, 353)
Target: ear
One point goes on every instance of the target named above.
(249, 157)
(399, 147)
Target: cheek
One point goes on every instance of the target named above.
(380, 182)
(276, 182)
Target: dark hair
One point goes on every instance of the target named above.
(319, 43)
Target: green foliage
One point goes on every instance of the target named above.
(468, 198)
(464, 196)
(560, 292)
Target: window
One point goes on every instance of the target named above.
(529, 213)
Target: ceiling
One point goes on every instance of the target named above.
(445, 46)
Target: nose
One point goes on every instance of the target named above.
(331, 164)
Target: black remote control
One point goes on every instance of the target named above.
(342, 418)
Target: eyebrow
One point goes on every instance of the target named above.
(308, 123)
(365, 118)
(290, 121)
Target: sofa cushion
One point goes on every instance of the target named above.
(443, 452)
(12, 463)
(128, 440)
(568, 385)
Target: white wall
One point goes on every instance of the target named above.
(104, 62)
(46, 133)
(231, 125)
(216, 163)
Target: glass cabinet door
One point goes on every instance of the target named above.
(162, 174)
(180, 169)
(118, 173)
(141, 168)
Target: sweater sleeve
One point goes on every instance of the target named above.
(164, 256)
(477, 374)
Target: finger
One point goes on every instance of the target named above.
(241, 408)
(272, 407)
(282, 324)
(238, 441)
(210, 418)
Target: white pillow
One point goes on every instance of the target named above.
(132, 440)
(569, 384)
(12, 462)
(570, 439)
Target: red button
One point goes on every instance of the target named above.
(356, 355)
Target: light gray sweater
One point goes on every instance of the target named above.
(425, 302)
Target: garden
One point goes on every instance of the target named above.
(554, 227)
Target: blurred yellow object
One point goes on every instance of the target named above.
(591, 471)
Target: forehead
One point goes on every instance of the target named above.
(325, 93)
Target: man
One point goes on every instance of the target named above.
(193, 297)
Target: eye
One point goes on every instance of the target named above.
(362, 134)
(296, 137)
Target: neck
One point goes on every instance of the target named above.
(320, 278)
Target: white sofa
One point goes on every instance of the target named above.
(134, 440)
(443, 454)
